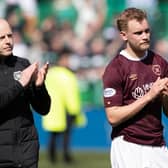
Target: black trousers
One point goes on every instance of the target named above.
(52, 147)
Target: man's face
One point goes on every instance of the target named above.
(137, 35)
(6, 40)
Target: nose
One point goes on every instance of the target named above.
(7, 39)
(145, 35)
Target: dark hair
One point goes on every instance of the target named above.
(129, 14)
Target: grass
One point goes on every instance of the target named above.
(84, 159)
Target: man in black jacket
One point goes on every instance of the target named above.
(21, 90)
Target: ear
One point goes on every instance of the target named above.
(123, 35)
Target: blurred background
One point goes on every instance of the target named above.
(87, 27)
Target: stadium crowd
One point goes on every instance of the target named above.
(42, 28)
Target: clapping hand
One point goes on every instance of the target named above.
(41, 74)
(32, 73)
(27, 73)
(159, 87)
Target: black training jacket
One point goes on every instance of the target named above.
(19, 145)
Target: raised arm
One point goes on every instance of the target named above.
(119, 114)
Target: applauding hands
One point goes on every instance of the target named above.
(33, 72)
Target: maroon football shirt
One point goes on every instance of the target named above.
(125, 80)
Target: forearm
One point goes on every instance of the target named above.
(119, 114)
(40, 99)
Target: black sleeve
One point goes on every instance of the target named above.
(40, 99)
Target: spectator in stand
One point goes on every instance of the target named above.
(65, 111)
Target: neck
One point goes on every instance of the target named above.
(135, 53)
(3, 58)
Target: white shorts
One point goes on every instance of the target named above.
(129, 155)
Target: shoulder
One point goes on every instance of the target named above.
(115, 63)
(156, 55)
(114, 70)
(20, 61)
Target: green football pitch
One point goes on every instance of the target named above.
(83, 159)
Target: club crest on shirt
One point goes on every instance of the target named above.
(109, 92)
(156, 69)
(17, 75)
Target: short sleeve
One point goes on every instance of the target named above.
(112, 85)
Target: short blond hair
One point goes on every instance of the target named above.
(127, 15)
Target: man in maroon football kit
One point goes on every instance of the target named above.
(135, 91)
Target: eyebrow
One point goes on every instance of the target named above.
(3, 36)
(140, 32)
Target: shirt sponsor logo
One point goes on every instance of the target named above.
(109, 92)
(141, 91)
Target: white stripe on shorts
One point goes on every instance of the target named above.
(129, 155)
